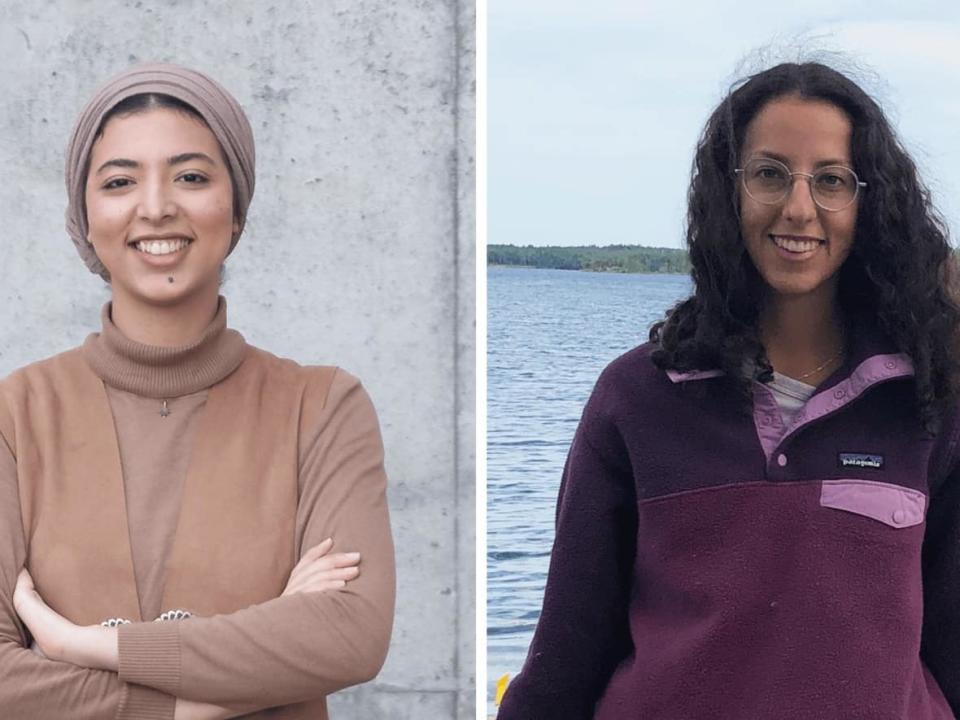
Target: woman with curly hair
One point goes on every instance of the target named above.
(760, 513)
(175, 504)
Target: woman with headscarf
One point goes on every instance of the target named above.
(169, 495)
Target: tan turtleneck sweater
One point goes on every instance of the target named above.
(285, 651)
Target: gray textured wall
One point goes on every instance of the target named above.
(359, 250)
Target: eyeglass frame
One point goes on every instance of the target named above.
(858, 183)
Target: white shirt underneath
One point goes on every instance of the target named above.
(791, 395)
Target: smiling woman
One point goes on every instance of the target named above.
(160, 215)
(760, 513)
(171, 497)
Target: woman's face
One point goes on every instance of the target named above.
(159, 202)
(796, 246)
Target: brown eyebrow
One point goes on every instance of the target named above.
(173, 160)
(783, 159)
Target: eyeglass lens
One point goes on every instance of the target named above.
(769, 182)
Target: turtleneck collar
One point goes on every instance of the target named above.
(165, 372)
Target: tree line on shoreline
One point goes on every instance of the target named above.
(610, 258)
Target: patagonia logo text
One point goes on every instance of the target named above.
(861, 460)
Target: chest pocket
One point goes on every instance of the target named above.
(893, 505)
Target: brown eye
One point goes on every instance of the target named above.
(116, 184)
(835, 182)
(832, 181)
(769, 173)
(765, 175)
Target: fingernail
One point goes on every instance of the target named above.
(354, 555)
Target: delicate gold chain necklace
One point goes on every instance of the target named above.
(821, 367)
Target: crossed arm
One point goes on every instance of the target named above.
(310, 643)
(96, 647)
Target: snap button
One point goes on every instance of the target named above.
(838, 394)
(782, 460)
(890, 364)
(767, 420)
(899, 517)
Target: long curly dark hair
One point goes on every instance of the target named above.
(899, 271)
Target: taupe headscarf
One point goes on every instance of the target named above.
(218, 108)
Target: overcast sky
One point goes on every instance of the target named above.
(595, 107)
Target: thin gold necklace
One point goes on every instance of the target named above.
(820, 367)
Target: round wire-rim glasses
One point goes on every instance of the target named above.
(769, 182)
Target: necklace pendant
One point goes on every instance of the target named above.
(164, 410)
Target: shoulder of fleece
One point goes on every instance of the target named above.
(629, 374)
(616, 389)
(633, 365)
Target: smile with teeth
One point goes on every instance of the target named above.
(795, 244)
(162, 247)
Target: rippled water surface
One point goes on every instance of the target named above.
(550, 333)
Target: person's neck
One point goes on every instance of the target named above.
(803, 333)
(160, 325)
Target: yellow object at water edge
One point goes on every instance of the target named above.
(501, 689)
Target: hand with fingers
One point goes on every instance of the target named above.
(320, 569)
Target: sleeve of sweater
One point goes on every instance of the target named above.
(303, 646)
(940, 646)
(582, 632)
(32, 686)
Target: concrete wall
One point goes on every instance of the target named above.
(359, 249)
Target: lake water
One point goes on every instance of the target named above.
(550, 333)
